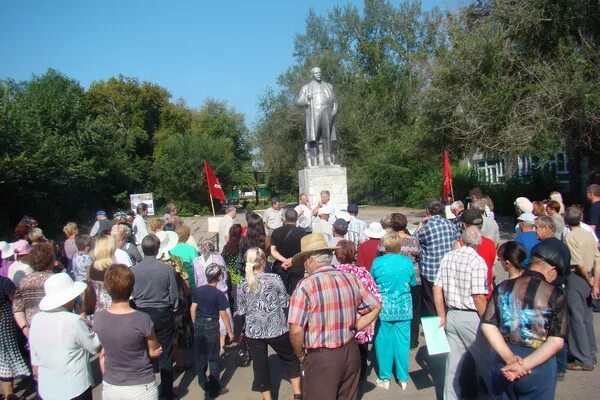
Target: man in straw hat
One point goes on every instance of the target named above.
(61, 343)
(323, 322)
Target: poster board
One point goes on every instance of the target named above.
(435, 336)
(213, 224)
(138, 198)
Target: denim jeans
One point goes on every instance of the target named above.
(164, 327)
(206, 348)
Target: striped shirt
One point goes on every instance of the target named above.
(325, 304)
(436, 237)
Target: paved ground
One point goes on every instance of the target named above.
(426, 372)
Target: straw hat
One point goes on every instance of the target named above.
(311, 244)
(6, 250)
(60, 289)
(375, 231)
(168, 240)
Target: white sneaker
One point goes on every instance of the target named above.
(383, 383)
(403, 385)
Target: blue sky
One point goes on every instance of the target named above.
(228, 50)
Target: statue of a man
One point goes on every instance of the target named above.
(320, 106)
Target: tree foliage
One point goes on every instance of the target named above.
(499, 77)
(66, 152)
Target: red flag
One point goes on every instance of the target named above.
(446, 178)
(214, 187)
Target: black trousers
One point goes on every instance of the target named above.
(427, 303)
(290, 276)
(164, 327)
(260, 360)
(415, 292)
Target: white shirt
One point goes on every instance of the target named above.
(17, 271)
(224, 225)
(61, 344)
(323, 227)
(305, 213)
(140, 230)
(273, 218)
(122, 257)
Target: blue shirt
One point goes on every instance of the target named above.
(394, 275)
(437, 237)
(529, 240)
(210, 301)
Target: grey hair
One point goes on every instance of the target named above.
(456, 205)
(325, 192)
(229, 209)
(573, 216)
(479, 205)
(472, 236)
(547, 221)
(322, 258)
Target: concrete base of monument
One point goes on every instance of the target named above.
(327, 177)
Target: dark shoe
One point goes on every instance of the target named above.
(560, 376)
(577, 367)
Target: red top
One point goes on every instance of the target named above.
(367, 251)
(487, 251)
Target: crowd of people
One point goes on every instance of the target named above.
(315, 283)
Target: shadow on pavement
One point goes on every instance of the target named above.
(432, 372)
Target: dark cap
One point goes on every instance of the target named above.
(340, 225)
(549, 253)
(352, 208)
(100, 212)
(472, 216)
(213, 272)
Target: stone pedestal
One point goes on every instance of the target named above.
(313, 180)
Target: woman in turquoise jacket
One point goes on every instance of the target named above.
(394, 275)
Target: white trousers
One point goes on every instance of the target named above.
(148, 391)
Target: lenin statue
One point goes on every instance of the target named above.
(320, 106)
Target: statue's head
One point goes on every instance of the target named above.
(316, 73)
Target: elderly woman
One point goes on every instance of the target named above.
(31, 288)
(207, 257)
(61, 343)
(186, 251)
(394, 275)
(121, 234)
(345, 255)
(12, 363)
(156, 225)
(128, 342)
(553, 210)
(70, 230)
(262, 298)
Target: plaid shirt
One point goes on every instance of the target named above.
(326, 303)
(356, 231)
(462, 274)
(436, 237)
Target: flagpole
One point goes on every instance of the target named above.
(212, 205)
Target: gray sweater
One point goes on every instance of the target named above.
(155, 284)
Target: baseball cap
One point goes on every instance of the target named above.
(352, 208)
(472, 216)
(100, 212)
(340, 225)
(526, 217)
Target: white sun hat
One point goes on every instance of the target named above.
(60, 289)
(168, 240)
(6, 249)
(375, 231)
